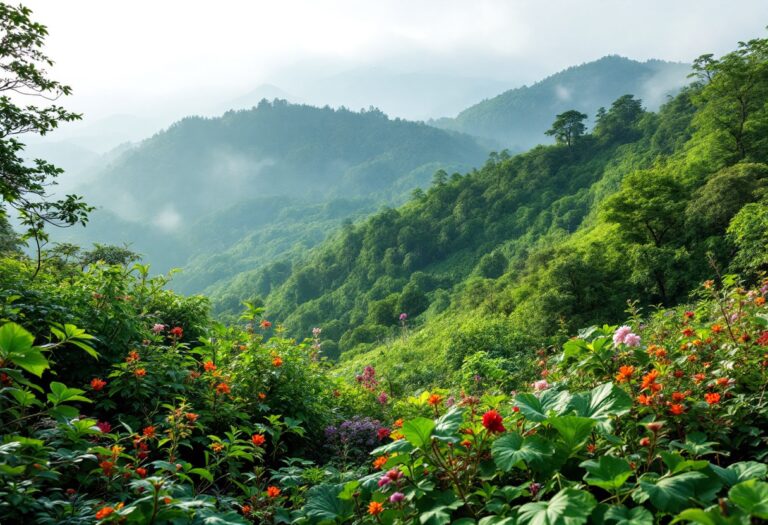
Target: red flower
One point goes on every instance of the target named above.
(679, 373)
(149, 432)
(97, 384)
(712, 398)
(763, 339)
(265, 324)
(688, 332)
(104, 427)
(689, 315)
(246, 509)
(142, 472)
(140, 372)
(106, 467)
(678, 396)
(492, 421)
(698, 378)
(273, 492)
(645, 442)
(277, 361)
(383, 433)
(208, 366)
(223, 388)
(258, 439)
(177, 332)
(191, 417)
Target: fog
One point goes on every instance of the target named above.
(144, 63)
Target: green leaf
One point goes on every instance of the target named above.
(601, 403)
(324, 505)
(742, 471)
(511, 450)
(574, 430)
(347, 493)
(537, 408)
(418, 431)
(752, 497)
(609, 472)
(496, 520)
(711, 516)
(60, 393)
(568, 507)
(448, 424)
(624, 516)
(16, 346)
(439, 510)
(672, 494)
(399, 445)
(203, 473)
(677, 463)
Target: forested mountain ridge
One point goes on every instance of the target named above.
(517, 118)
(202, 171)
(561, 236)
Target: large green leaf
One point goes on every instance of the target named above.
(60, 393)
(448, 424)
(323, 504)
(601, 403)
(609, 472)
(418, 431)
(438, 511)
(742, 471)
(752, 497)
(574, 430)
(711, 516)
(670, 494)
(512, 449)
(16, 346)
(568, 507)
(399, 445)
(538, 408)
(621, 515)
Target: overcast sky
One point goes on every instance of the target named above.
(150, 57)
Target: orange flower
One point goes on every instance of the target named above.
(277, 361)
(246, 509)
(678, 396)
(760, 301)
(167, 500)
(649, 379)
(191, 417)
(712, 398)
(104, 512)
(644, 399)
(140, 372)
(149, 432)
(398, 423)
(435, 399)
(698, 378)
(265, 324)
(97, 384)
(380, 461)
(375, 508)
(716, 328)
(397, 435)
(273, 492)
(262, 396)
(223, 388)
(466, 443)
(723, 381)
(208, 366)
(217, 447)
(676, 409)
(258, 439)
(133, 355)
(625, 373)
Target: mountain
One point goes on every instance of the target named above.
(518, 118)
(219, 175)
(644, 207)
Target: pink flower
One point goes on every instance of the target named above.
(104, 427)
(396, 497)
(540, 385)
(620, 334)
(385, 480)
(158, 328)
(403, 316)
(632, 340)
(383, 398)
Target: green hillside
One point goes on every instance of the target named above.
(205, 183)
(517, 119)
(550, 240)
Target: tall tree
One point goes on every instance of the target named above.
(568, 127)
(23, 186)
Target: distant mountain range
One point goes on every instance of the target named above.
(518, 118)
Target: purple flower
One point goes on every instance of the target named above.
(396, 497)
(383, 398)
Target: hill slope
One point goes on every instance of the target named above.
(518, 118)
(203, 172)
